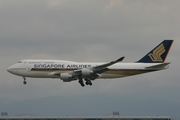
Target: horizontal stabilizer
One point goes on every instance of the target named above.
(160, 66)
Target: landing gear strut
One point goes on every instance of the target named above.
(81, 81)
(24, 82)
(88, 81)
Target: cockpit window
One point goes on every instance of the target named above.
(19, 61)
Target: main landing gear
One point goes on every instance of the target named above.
(81, 82)
(88, 82)
(24, 82)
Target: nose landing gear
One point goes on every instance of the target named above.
(24, 82)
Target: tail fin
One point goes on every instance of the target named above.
(158, 54)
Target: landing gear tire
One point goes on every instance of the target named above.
(82, 85)
(88, 82)
(81, 82)
(24, 82)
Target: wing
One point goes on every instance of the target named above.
(104, 66)
(100, 68)
(86, 73)
(92, 73)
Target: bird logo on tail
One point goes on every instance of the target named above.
(156, 54)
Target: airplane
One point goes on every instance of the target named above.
(87, 72)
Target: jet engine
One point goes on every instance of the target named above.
(86, 72)
(66, 77)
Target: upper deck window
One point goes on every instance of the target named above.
(19, 61)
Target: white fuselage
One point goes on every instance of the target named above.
(52, 68)
(87, 71)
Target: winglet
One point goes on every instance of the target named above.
(158, 54)
(120, 59)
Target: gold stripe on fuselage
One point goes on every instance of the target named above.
(127, 72)
(111, 71)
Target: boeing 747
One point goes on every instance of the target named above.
(87, 72)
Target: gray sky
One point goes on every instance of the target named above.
(79, 30)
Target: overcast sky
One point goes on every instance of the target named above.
(89, 30)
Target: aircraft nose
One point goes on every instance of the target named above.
(9, 69)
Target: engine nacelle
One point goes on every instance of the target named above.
(66, 77)
(86, 72)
